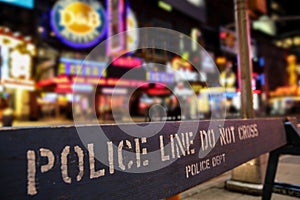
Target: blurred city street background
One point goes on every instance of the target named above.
(51, 59)
(66, 62)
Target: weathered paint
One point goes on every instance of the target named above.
(53, 163)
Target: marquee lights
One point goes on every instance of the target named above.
(81, 68)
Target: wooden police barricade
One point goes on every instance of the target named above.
(126, 162)
(291, 148)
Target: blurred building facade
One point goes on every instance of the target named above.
(58, 65)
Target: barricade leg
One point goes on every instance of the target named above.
(176, 197)
(270, 175)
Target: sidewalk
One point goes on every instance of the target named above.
(52, 121)
(288, 171)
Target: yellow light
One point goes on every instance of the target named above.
(288, 41)
(297, 41)
(279, 43)
(220, 60)
(40, 29)
(52, 34)
(165, 6)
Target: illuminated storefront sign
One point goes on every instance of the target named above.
(161, 77)
(227, 79)
(5, 61)
(73, 88)
(20, 65)
(79, 24)
(22, 3)
(132, 31)
(181, 90)
(82, 88)
(125, 83)
(120, 91)
(89, 80)
(130, 62)
(81, 68)
(18, 84)
(207, 61)
(16, 56)
(183, 70)
(116, 25)
(63, 82)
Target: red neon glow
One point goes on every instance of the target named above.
(112, 81)
(125, 83)
(64, 83)
(45, 82)
(143, 105)
(71, 88)
(159, 85)
(64, 88)
(146, 85)
(61, 79)
(55, 80)
(223, 35)
(154, 91)
(136, 83)
(129, 62)
(93, 81)
(101, 81)
(89, 80)
(257, 91)
(253, 81)
(253, 91)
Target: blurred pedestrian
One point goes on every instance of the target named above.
(7, 116)
(174, 112)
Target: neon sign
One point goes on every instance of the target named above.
(82, 88)
(122, 91)
(129, 62)
(78, 24)
(23, 3)
(79, 68)
(183, 70)
(16, 65)
(116, 25)
(132, 31)
(20, 65)
(161, 77)
(126, 83)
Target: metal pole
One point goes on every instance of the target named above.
(245, 178)
(244, 58)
